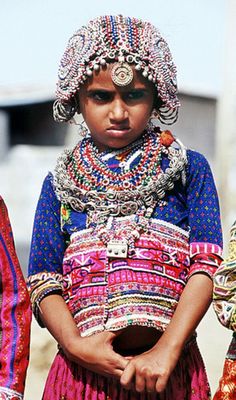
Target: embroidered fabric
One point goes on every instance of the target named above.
(8, 394)
(224, 293)
(104, 293)
(15, 315)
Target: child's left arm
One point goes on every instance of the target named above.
(153, 368)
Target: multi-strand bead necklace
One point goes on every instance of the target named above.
(88, 171)
(84, 181)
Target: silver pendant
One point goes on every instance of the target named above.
(117, 249)
(122, 74)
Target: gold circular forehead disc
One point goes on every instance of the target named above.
(121, 74)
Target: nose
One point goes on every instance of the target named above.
(118, 111)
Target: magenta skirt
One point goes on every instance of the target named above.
(69, 381)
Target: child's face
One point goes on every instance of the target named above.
(116, 116)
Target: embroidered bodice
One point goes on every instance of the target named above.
(143, 285)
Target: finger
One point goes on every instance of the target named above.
(121, 362)
(161, 384)
(151, 384)
(118, 361)
(118, 373)
(140, 383)
(127, 376)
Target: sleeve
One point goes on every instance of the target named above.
(15, 315)
(47, 248)
(204, 217)
(224, 286)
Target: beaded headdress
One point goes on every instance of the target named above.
(111, 39)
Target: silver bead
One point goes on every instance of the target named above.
(89, 72)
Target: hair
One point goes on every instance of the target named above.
(104, 40)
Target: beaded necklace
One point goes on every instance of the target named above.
(88, 171)
(84, 182)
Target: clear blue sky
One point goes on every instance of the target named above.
(33, 35)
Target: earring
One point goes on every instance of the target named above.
(154, 115)
(83, 130)
(152, 123)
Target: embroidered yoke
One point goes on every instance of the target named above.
(143, 289)
(183, 238)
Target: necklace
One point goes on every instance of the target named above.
(84, 181)
(88, 170)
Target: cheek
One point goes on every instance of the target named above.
(144, 112)
(94, 119)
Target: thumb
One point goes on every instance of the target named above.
(121, 361)
(127, 376)
(114, 334)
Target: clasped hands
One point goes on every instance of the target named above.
(147, 372)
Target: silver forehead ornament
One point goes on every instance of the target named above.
(121, 72)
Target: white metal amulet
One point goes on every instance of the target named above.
(122, 74)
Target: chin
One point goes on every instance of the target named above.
(116, 145)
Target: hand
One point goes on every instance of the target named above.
(96, 354)
(151, 370)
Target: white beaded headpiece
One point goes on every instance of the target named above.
(110, 39)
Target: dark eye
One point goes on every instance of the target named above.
(135, 94)
(100, 95)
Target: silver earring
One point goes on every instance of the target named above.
(154, 115)
(82, 129)
(152, 123)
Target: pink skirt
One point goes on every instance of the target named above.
(69, 381)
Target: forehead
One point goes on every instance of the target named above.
(103, 79)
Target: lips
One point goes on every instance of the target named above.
(118, 130)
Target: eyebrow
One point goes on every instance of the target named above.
(92, 90)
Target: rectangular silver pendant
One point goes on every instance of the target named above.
(117, 249)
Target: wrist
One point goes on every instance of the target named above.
(70, 343)
(172, 343)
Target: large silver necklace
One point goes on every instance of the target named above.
(102, 207)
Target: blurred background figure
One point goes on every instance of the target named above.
(15, 316)
(224, 302)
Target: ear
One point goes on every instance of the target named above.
(157, 102)
(76, 100)
(78, 109)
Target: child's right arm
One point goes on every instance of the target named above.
(45, 286)
(94, 352)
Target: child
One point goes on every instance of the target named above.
(127, 230)
(15, 316)
(224, 303)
